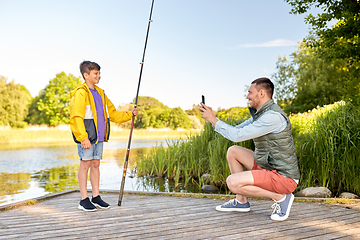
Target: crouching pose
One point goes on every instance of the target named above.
(273, 166)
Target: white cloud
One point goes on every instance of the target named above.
(274, 43)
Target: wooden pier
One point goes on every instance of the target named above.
(159, 216)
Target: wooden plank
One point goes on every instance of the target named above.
(165, 217)
(251, 230)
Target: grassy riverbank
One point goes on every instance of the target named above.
(41, 134)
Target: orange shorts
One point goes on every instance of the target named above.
(272, 180)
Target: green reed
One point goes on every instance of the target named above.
(327, 142)
(328, 147)
(191, 158)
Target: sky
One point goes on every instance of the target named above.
(195, 47)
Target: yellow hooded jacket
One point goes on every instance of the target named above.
(83, 117)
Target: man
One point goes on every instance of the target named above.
(274, 171)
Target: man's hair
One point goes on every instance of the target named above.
(87, 66)
(266, 84)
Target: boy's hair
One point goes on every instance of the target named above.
(266, 84)
(87, 66)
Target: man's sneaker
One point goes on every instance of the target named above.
(282, 210)
(234, 206)
(86, 205)
(97, 201)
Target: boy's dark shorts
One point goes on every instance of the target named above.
(272, 180)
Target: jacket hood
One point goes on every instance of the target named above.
(82, 86)
(86, 88)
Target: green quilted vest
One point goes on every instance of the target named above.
(276, 151)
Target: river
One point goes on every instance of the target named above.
(29, 172)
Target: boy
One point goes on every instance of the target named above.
(90, 115)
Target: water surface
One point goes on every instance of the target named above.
(29, 172)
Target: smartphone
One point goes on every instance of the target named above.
(203, 99)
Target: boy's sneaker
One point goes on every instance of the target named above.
(234, 206)
(282, 210)
(97, 201)
(86, 205)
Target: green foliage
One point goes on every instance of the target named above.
(326, 67)
(285, 82)
(51, 107)
(328, 147)
(341, 41)
(148, 111)
(147, 103)
(234, 113)
(178, 119)
(14, 100)
(152, 113)
(34, 115)
(194, 111)
(307, 81)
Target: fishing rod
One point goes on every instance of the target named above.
(133, 117)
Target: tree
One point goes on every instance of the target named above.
(179, 119)
(51, 107)
(34, 115)
(194, 111)
(152, 113)
(146, 117)
(147, 103)
(307, 81)
(326, 68)
(285, 79)
(341, 41)
(14, 100)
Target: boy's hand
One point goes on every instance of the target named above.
(86, 143)
(207, 114)
(134, 111)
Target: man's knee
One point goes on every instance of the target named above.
(238, 180)
(231, 152)
(241, 155)
(233, 182)
(229, 181)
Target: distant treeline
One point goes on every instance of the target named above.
(51, 107)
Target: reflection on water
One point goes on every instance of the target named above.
(57, 179)
(32, 172)
(11, 183)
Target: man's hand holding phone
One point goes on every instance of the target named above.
(207, 113)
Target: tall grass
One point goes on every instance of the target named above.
(190, 159)
(327, 142)
(328, 147)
